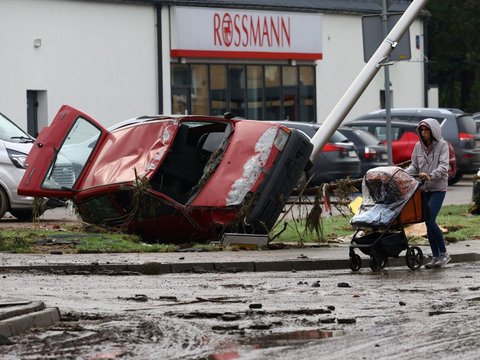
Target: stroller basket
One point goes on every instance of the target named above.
(389, 244)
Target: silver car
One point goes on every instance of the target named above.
(14, 147)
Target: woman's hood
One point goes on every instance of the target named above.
(434, 127)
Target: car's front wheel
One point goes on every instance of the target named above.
(4, 203)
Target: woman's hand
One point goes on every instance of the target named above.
(424, 177)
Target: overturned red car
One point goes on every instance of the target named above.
(169, 178)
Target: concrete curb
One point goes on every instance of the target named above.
(21, 323)
(158, 268)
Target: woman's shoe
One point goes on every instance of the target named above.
(432, 263)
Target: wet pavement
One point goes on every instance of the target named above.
(332, 314)
(247, 304)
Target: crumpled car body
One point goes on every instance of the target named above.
(169, 178)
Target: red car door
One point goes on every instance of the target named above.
(51, 171)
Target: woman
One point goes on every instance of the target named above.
(430, 162)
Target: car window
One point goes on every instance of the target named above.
(11, 132)
(466, 124)
(380, 132)
(72, 155)
(338, 137)
(366, 137)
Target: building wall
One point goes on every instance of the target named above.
(102, 58)
(98, 57)
(343, 60)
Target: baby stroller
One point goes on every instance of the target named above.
(391, 198)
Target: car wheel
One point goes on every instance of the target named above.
(455, 179)
(4, 203)
(22, 214)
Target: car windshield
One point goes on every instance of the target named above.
(366, 138)
(466, 124)
(11, 132)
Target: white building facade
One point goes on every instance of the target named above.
(262, 60)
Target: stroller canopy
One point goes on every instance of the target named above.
(385, 191)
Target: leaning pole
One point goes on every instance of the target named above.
(350, 97)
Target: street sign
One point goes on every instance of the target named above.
(372, 31)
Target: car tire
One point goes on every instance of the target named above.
(4, 203)
(455, 179)
(22, 214)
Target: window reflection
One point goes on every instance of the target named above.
(199, 89)
(218, 89)
(255, 92)
(236, 75)
(263, 92)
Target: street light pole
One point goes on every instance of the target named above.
(355, 90)
(387, 86)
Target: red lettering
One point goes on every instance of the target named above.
(254, 32)
(238, 35)
(265, 32)
(227, 29)
(286, 31)
(251, 30)
(274, 31)
(216, 27)
(245, 30)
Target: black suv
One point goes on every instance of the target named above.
(457, 127)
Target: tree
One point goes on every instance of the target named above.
(454, 52)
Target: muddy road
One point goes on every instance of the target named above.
(397, 314)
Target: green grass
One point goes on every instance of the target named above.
(455, 218)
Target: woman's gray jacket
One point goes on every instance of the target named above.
(432, 160)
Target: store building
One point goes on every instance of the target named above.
(257, 59)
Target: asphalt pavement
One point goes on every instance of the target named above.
(19, 315)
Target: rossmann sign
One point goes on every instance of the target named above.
(227, 33)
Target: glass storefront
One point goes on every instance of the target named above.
(261, 92)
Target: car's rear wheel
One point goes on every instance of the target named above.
(22, 214)
(4, 203)
(455, 179)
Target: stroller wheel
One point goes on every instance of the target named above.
(355, 262)
(377, 263)
(414, 257)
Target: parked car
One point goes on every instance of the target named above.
(371, 150)
(457, 127)
(14, 147)
(404, 138)
(337, 160)
(169, 178)
(476, 117)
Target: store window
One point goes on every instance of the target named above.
(218, 90)
(261, 92)
(306, 88)
(237, 90)
(255, 99)
(199, 89)
(180, 89)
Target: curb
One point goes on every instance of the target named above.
(157, 268)
(33, 316)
